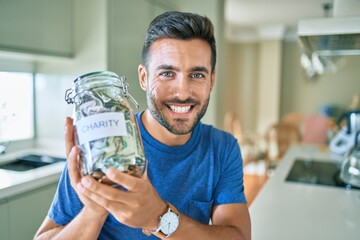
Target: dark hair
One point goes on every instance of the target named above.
(180, 25)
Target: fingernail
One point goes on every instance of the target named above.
(80, 187)
(66, 122)
(110, 173)
(85, 181)
(73, 149)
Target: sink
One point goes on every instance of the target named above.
(29, 162)
(317, 173)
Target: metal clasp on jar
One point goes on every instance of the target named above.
(127, 95)
(68, 98)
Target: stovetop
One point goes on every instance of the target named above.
(317, 172)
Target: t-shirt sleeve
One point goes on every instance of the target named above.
(230, 187)
(66, 204)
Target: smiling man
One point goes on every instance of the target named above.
(178, 80)
(194, 171)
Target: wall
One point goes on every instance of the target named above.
(268, 107)
(91, 54)
(54, 76)
(253, 92)
(298, 94)
(241, 90)
(125, 41)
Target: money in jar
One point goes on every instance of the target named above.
(106, 130)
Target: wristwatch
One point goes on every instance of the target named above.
(169, 222)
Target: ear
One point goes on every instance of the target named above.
(142, 76)
(213, 77)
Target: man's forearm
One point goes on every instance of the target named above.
(191, 229)
(83, 226)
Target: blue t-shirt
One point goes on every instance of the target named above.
(194, 177)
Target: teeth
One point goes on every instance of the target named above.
(178, 109)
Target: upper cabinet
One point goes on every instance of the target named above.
(42, 27)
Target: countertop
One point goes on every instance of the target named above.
(288, 210)
(16, 182)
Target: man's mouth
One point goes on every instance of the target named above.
(180, 109)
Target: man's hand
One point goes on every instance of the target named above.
(138, 206)
(72, 153)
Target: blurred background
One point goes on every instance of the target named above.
(272, 65)
(287, 72)
(260, 79)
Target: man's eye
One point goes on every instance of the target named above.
(166, 74)
(197, 75)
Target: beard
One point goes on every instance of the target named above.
(181, 126)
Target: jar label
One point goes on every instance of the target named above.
(101, 125)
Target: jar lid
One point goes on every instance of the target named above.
(97, 73)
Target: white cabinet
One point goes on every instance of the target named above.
(4, 223)
(37, 26)
(27, 211)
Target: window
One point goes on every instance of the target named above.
(16, 106)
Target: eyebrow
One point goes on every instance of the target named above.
(194, 69)
(166, 67)
(200, 69)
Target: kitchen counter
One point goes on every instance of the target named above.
(286, 210)
(16, 182)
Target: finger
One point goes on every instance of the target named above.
(103, 194)
(87, 195)
(146, 232)
(73, 169)
(125, 180)
(69, 135)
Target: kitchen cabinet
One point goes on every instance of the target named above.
(27, 211)
(37, 27)
(4, 224)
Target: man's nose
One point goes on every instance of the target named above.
(182, 88)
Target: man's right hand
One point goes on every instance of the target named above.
(72, 154)
(88, 223)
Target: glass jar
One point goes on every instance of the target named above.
(106, 130)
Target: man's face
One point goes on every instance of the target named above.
(178, 83)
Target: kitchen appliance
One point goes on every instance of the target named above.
(350, 169)
(343, 141)
(333, 36)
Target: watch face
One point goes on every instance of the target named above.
(169, 223)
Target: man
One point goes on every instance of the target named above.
(194, 171)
